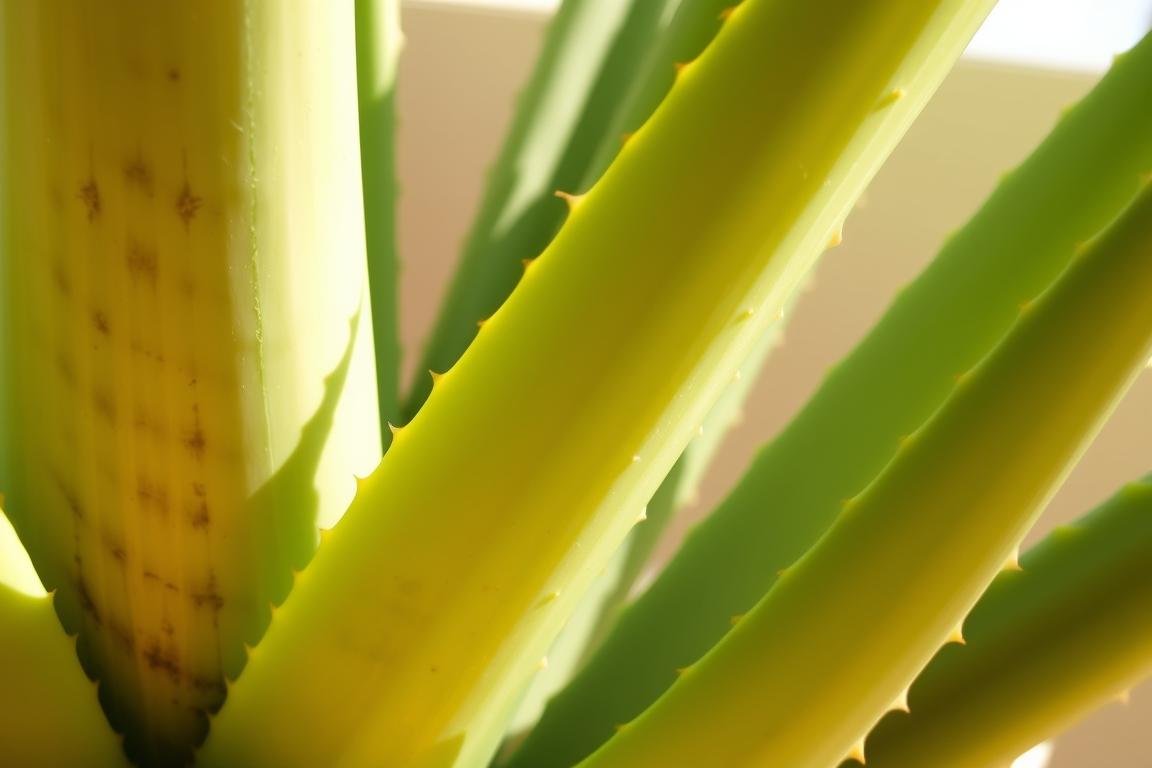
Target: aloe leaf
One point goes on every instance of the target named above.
(682, 484)
(570, 646)
(692, 26)
(378, 43)
(942, 323)
(589, 57)
(49, 714)
(178, 279)
(426, 610)
(841, 635)
(1045, 645)
(611, 590)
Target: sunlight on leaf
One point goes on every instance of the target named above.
(16, 569)
(1037, 757)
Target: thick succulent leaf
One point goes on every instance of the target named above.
(182, 253)
(834, 644)
(1045, 645)
(942, 323)
(690, 29)
(413, 631)
(680, 487)
(378, 43)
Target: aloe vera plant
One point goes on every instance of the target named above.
(235, 541)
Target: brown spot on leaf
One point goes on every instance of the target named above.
(70, 499)
(199, 516)
(147, 425)
(115, 548)
(209, 685)
(163, 660)
(104, 404)
(152, 496)
(187, 204)
(174, 74)
(209, 596)
(139, 175)
(123, 636)
(142, 263)
(100, 322)
(89, 194)
(84, 596)
(140, 349)
(65, 369)
(61, 279)
(196, 443)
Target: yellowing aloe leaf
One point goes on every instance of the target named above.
(182, 254)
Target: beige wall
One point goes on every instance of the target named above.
(460, 74)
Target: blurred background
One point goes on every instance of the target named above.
(465, 62)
